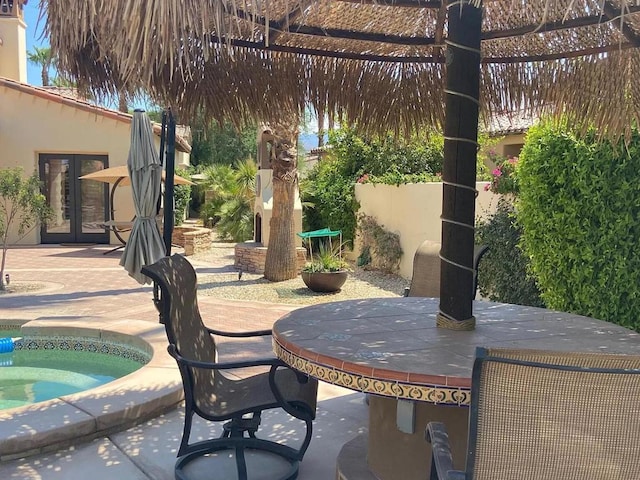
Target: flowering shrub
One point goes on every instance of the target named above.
(504, 178)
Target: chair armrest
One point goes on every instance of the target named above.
(441, 459)
(255, 333)
(254, 362)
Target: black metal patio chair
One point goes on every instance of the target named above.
(219, 397)
(547, 415)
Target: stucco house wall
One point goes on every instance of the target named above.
(413, 211)
(34, 121)
(50, 120)
(510, 145)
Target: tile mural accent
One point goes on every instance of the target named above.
(437, 394)
(83, 344)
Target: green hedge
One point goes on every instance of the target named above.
(503, 273)
(580, 207)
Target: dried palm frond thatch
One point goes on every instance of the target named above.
(380, 64)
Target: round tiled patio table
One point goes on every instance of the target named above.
(416, 372)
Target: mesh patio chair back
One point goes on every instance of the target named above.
(425, 280)
(553, 415)
(238, 398)
(184, 326)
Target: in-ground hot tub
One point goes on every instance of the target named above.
(117, 405)
(43, 368)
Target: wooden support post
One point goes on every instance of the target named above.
(459, 170)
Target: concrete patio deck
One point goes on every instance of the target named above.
(83, 283)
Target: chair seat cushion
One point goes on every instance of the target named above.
(226, 397)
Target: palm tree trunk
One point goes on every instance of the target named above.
(281, 262)
(45, 75)
(122, 103)
(320, 129)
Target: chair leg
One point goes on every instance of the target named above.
(241, 463)
(238, 446)
(186, 432)
(307, 438)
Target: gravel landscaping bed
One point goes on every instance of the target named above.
(226, 284)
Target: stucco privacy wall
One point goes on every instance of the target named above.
(413, 211)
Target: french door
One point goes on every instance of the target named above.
(79, 206)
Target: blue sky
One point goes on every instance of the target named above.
(31, 12)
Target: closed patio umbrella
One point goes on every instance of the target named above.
(145, 245)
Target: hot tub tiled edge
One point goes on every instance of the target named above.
(144, 394)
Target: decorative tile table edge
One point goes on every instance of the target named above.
(432, 393)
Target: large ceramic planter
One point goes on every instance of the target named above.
(324, 281)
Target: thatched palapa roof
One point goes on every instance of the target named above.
(381, 64)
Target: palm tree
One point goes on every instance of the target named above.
(219, 180)
(281, 262)
(44, 58)
(230, 198)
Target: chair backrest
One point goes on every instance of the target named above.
(425, 281)
(554, 415)
(179, 310)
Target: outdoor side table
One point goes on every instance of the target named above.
(416, 372)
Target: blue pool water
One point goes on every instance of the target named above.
(31, 376)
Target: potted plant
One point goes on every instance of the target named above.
(327, 271)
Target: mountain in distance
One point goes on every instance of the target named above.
(309, 141)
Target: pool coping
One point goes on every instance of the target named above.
(71, 419)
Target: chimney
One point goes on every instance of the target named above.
(13, 40)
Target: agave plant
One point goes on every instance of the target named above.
(327, 259)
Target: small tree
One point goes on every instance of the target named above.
(21, 205)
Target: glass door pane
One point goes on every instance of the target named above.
(79, 206)
(93, 204)
(57, 192)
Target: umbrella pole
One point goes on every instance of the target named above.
(169, 181)
(459, 169)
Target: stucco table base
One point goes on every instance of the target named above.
(389, 453)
